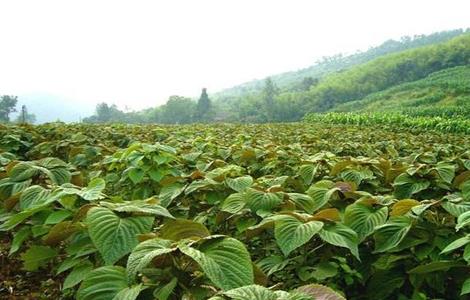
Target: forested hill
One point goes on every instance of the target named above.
(337, 83)
(296, 80)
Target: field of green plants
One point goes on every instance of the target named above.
(246, 212)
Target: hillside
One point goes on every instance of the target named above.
(293, 80)
(442, 93)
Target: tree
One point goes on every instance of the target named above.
(204, 108)
(25, 117)
(177, 110)
(7, 106)
(269, 94)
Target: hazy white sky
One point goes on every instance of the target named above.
(140, 52)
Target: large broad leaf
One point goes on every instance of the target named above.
(465, 287)
(321, 192)
(94, 190)
(22, 171)
(169, 192)
(37, 256)
(307, 173)
(342, 236)
(405, 186)
(144, 253)
(179, 229)
(402, 207)
(364, 218)
(446, 171)
(463, 220)
(292, 233)
(303, 201)
(78, 273)
(251, 292)
(320, 292)
(114, 236)
(34, 196)
(259, 200)
(226, 262)
(146, 207)
(456, 206)
(389, 235)
(456, 244)
(234, 203)
(434, 267)
(103, 284)
(239, 184)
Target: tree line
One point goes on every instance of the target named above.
(8, 105)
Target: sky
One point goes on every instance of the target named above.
(138, 53)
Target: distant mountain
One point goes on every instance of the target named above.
(50, 108)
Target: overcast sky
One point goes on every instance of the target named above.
(137, 53)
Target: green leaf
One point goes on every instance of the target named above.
(34, 196)
(463, 220)
(226, 262)
(23, 171)
(136, 175)
(406, 186)
(94, 190)
(114, 237)
(37, 256)
(320, 292)
(389, 235)
(434, 266)
(77, 275)
(144, 253)
(103, 283)
(251, 292)
(57, 216)
(446, 171)
(239, 184)
(234, 203)
(169, 193)
(456, 208)
(465, 287)
(307, 173)
(364, 218)
(129, 293)
(259, 200)
(291, 233)
(321, 192)
(342, 236)
(303, 201)
(179, 229)
(166, 291)
(147, 207)
(18, 239)
(456, 244)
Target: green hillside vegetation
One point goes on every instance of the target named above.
(299, 79)
(340, 84)
(444, 93)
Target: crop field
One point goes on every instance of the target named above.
(293, 211)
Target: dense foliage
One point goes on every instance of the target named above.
(291, 211)
(394, 120)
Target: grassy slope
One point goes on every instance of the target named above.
(442, 90)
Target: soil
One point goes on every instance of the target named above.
(17, 284)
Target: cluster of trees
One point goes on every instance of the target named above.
(177, 110)
(8, 106)
(324, 94)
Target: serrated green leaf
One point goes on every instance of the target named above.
(37, 256)
(342, 236)
(290, 233)
(113, 236)
(226, 262)
(390, 234)
(103, 283)
(364, 219)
